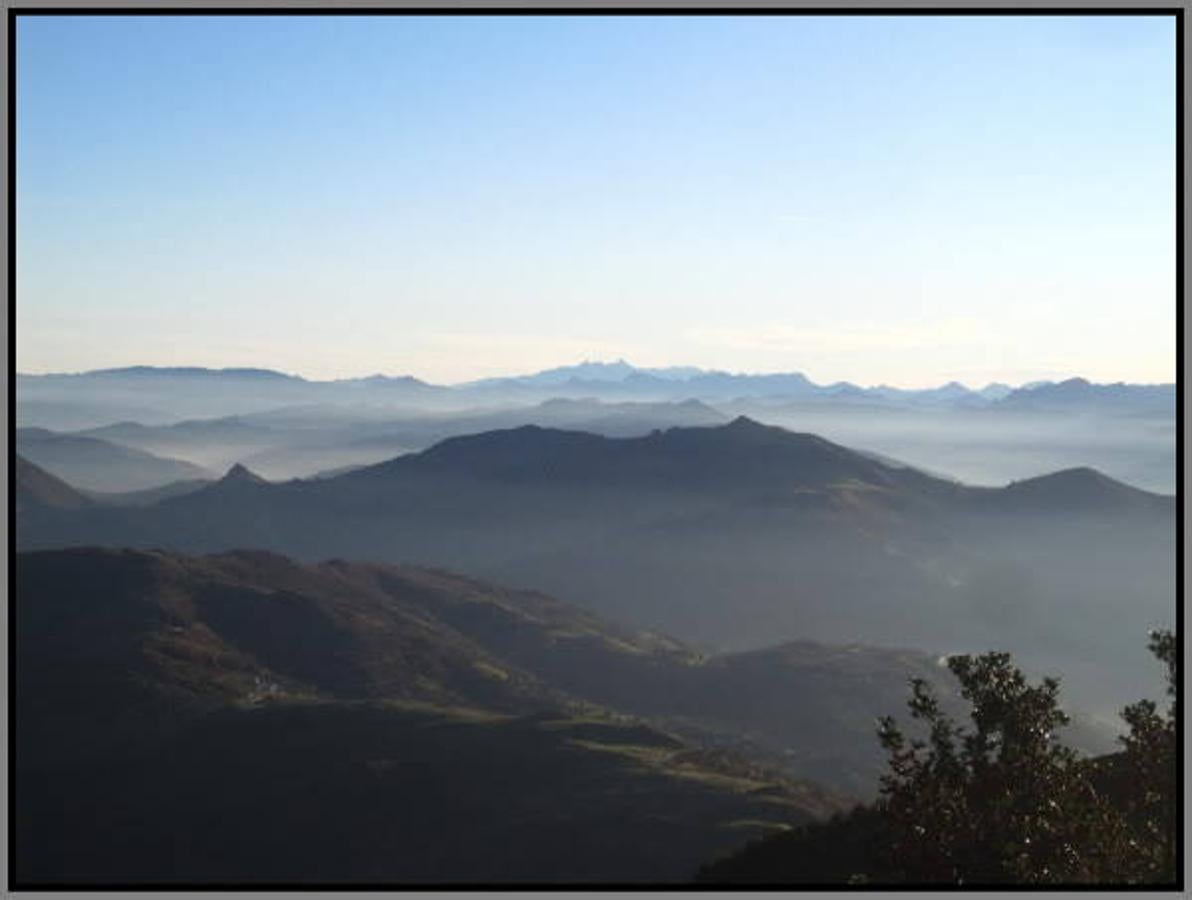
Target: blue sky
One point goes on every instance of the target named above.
(906, 200)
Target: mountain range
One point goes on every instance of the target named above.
(618, 380)
(731, 537)
(284, 426)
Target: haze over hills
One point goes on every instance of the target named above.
(603, 380)
(37, 489)
(294, 442)
(94, 464)
(148, 496)
(286, 426)
(734, 537)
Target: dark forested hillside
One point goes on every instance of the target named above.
(242, 717)
(221, 629)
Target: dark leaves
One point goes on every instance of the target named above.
(1003, 802)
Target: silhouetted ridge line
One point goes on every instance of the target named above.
(743, 452)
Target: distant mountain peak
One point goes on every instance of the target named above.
(1077, 472)
(995, 390)
(241, 474)
(1083, 487)
(743, 423)
(1076, 476)
(751, 432)
(1078, 392)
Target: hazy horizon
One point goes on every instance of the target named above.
(520, 373)
(898, 200)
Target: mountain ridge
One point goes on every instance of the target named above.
(536, 447)
(729, 537)
(593, 373)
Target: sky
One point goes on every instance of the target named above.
(879, 199)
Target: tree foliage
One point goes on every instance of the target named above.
(1004, 802)
(1149, 772)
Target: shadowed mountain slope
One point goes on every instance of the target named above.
(241, 717)
(244, 626)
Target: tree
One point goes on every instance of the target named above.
(997, 802)
(1002, 802)
(1147, 783)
